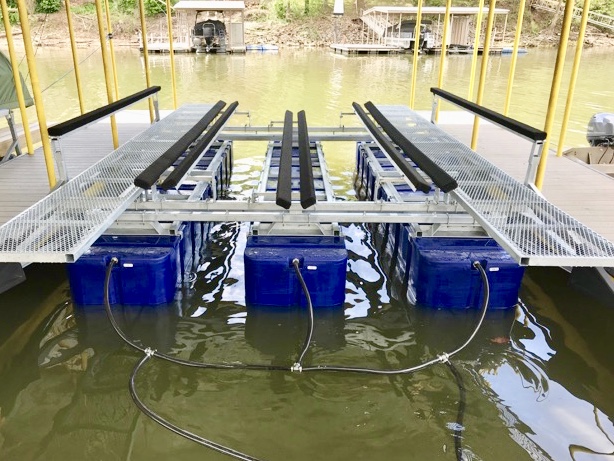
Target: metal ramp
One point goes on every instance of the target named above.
(531, 229)
(65, 223)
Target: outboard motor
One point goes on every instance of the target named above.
(600, 130)
(208, 36)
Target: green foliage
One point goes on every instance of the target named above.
(280, 9)
(48, 6)
(154, 7)
(83, 9)
(600, 6)
(297, 9)
(125, 6)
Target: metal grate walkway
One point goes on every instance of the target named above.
(531, 229)
(66, 222)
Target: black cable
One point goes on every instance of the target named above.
(188, 363)
(298, 365)
(460, 415)
(442, 358)
(149, 353)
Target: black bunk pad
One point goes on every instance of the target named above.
(517, 127)
(308, 190)
(74, 123)
(408, 170)
(178, 173)
(283, 197)
(151, 174)
(441, 179)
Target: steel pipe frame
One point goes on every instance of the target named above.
(16, 78)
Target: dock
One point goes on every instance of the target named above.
(500, 148)
(572, 186)
(365, 48)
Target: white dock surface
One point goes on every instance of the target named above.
(23, 180)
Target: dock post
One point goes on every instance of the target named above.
(37, 93)
(554, 90)
(75, 60)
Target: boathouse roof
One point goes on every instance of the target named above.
(198, 5)
(455, 10)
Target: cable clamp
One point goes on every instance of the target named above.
(150, 352)
(444, 358)
(296, 367)
(110, 36)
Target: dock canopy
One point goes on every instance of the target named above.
(8, 93)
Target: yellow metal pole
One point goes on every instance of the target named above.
(554, 91)
(172, 52)
(107, 77)
(36, 91)
(146, 56)
(16, 76)
(444, 44)
(574, 75)
(414, 72)
(476, 45)
(111, 48)
(483, 70)
(73, 47)
(510, 78)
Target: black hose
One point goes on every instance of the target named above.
(149, 353)
(442, 358)
(188, 363)
(460, 415)
(298, 365)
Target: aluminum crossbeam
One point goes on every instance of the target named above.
(322, 212)
(534, 231)
(66, 222)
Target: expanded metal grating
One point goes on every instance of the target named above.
(533, 230)
(65, 223)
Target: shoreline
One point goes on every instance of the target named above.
(315, 32)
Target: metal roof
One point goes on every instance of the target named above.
(455, 10)
(197, 5)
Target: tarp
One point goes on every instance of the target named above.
(8, 94)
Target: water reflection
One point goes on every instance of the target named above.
(74, 403)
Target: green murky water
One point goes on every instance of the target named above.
(537, 380)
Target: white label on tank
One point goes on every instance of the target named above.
(128, 265)
(312, 268)
(493, 269)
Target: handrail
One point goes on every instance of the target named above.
(93, 116)
(177, 175)
(152, 173)
(441, 178)
(522, 129)
(406, 168)
(283, 197)
(308, 190)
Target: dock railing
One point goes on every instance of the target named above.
(56, 132)
(537, 137)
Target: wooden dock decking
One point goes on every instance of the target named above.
(573, 187)
(349, 48)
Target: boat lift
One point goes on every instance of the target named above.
(122, 190)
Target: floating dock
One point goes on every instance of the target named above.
(417, 177)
